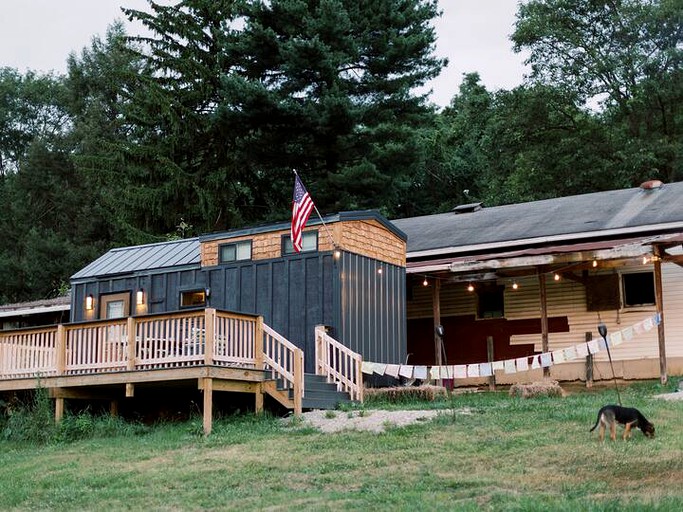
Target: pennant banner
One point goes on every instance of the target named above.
(510, 366)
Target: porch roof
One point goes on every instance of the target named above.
(566, 220)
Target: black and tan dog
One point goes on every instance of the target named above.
(610, 415)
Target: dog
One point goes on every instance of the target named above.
(610, 415)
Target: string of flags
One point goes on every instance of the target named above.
(520, 364)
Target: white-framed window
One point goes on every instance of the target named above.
(309, 242)
(236, 251)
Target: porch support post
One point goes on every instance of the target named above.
(59, 409)
(259, 399)
(659, 297)
(436, 310)
(208, 405)
(544, 316)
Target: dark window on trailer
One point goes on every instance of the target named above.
(490, 301)
(639, 289)
(309, 242)
(192, 298)
(234, 252)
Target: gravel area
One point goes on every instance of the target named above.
(678, 395)
(373, 420)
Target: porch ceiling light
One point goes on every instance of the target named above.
(425, 282)
(470, 287)
(556, 277)
(515, 285)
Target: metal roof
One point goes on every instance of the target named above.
(600, 214)
(128, 260)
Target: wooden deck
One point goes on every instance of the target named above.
(217, 350)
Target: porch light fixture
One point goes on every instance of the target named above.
(140, 297)
(425, 282)
(470, 287)
(89, 302)
(595, 263)
(337, 254)
(645, 260)
(515, 285)
(379, 271)
(556, 277)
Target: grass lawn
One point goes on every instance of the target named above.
(509, 454)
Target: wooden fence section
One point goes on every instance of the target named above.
(339, 364)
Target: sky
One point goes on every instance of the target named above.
(473, 34)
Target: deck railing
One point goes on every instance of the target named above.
(150, 342)
(339, 364)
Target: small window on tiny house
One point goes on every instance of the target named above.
(639, 289)
(234, 252)
(309, 242)
(192, 298)
(490, 301)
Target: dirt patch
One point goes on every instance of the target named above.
(372, 420)
(678, 395)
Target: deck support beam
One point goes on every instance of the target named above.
(544, 316)
(258, 406)
(207, 387)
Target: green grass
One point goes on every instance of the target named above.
(509, 454)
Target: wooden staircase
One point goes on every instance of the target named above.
(319, 394)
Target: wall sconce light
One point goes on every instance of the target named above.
(140, 297)
(556, 277)
(645, 260)
(337, 254)
(470, 287)
(89, 302)
(425, 282)
(379, 271)
(595, 263)
(207, 292)
(515, 285)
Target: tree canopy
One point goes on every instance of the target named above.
(197, 126)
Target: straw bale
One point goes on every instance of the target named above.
(540, 388)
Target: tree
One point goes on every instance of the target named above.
(626, 53)
(31, 107)
(321, 86)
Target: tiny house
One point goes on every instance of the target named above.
(349, 277)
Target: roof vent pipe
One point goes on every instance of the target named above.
(467, 208)
(651, 185)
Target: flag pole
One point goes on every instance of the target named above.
(334, 245)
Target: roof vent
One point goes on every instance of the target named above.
(467, 208)
(651, 185)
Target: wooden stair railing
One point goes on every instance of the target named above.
(339, 364)
(285, 363)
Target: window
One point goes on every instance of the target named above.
(490, 301)
(309, 242)
(192, 298)
(115, 305)
(639, 289)
(234, 252)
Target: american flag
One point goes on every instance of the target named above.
(301, 210)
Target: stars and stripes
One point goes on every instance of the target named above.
(302, 206)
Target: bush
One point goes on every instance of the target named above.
(31, 421)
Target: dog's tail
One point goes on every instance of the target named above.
(597, 420)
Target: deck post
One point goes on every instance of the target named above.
(209, 327)
(490, 357)
(130, 326)
(60, 346)
(589, 363)
(436, 314)
(298, 382)
(659, 297)
(258, 406)
(258, 343)
(59, 409)
(208, 405)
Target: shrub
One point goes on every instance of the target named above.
(31, 421)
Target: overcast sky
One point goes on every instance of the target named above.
(473, 34)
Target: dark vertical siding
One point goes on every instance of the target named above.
(372, 309)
